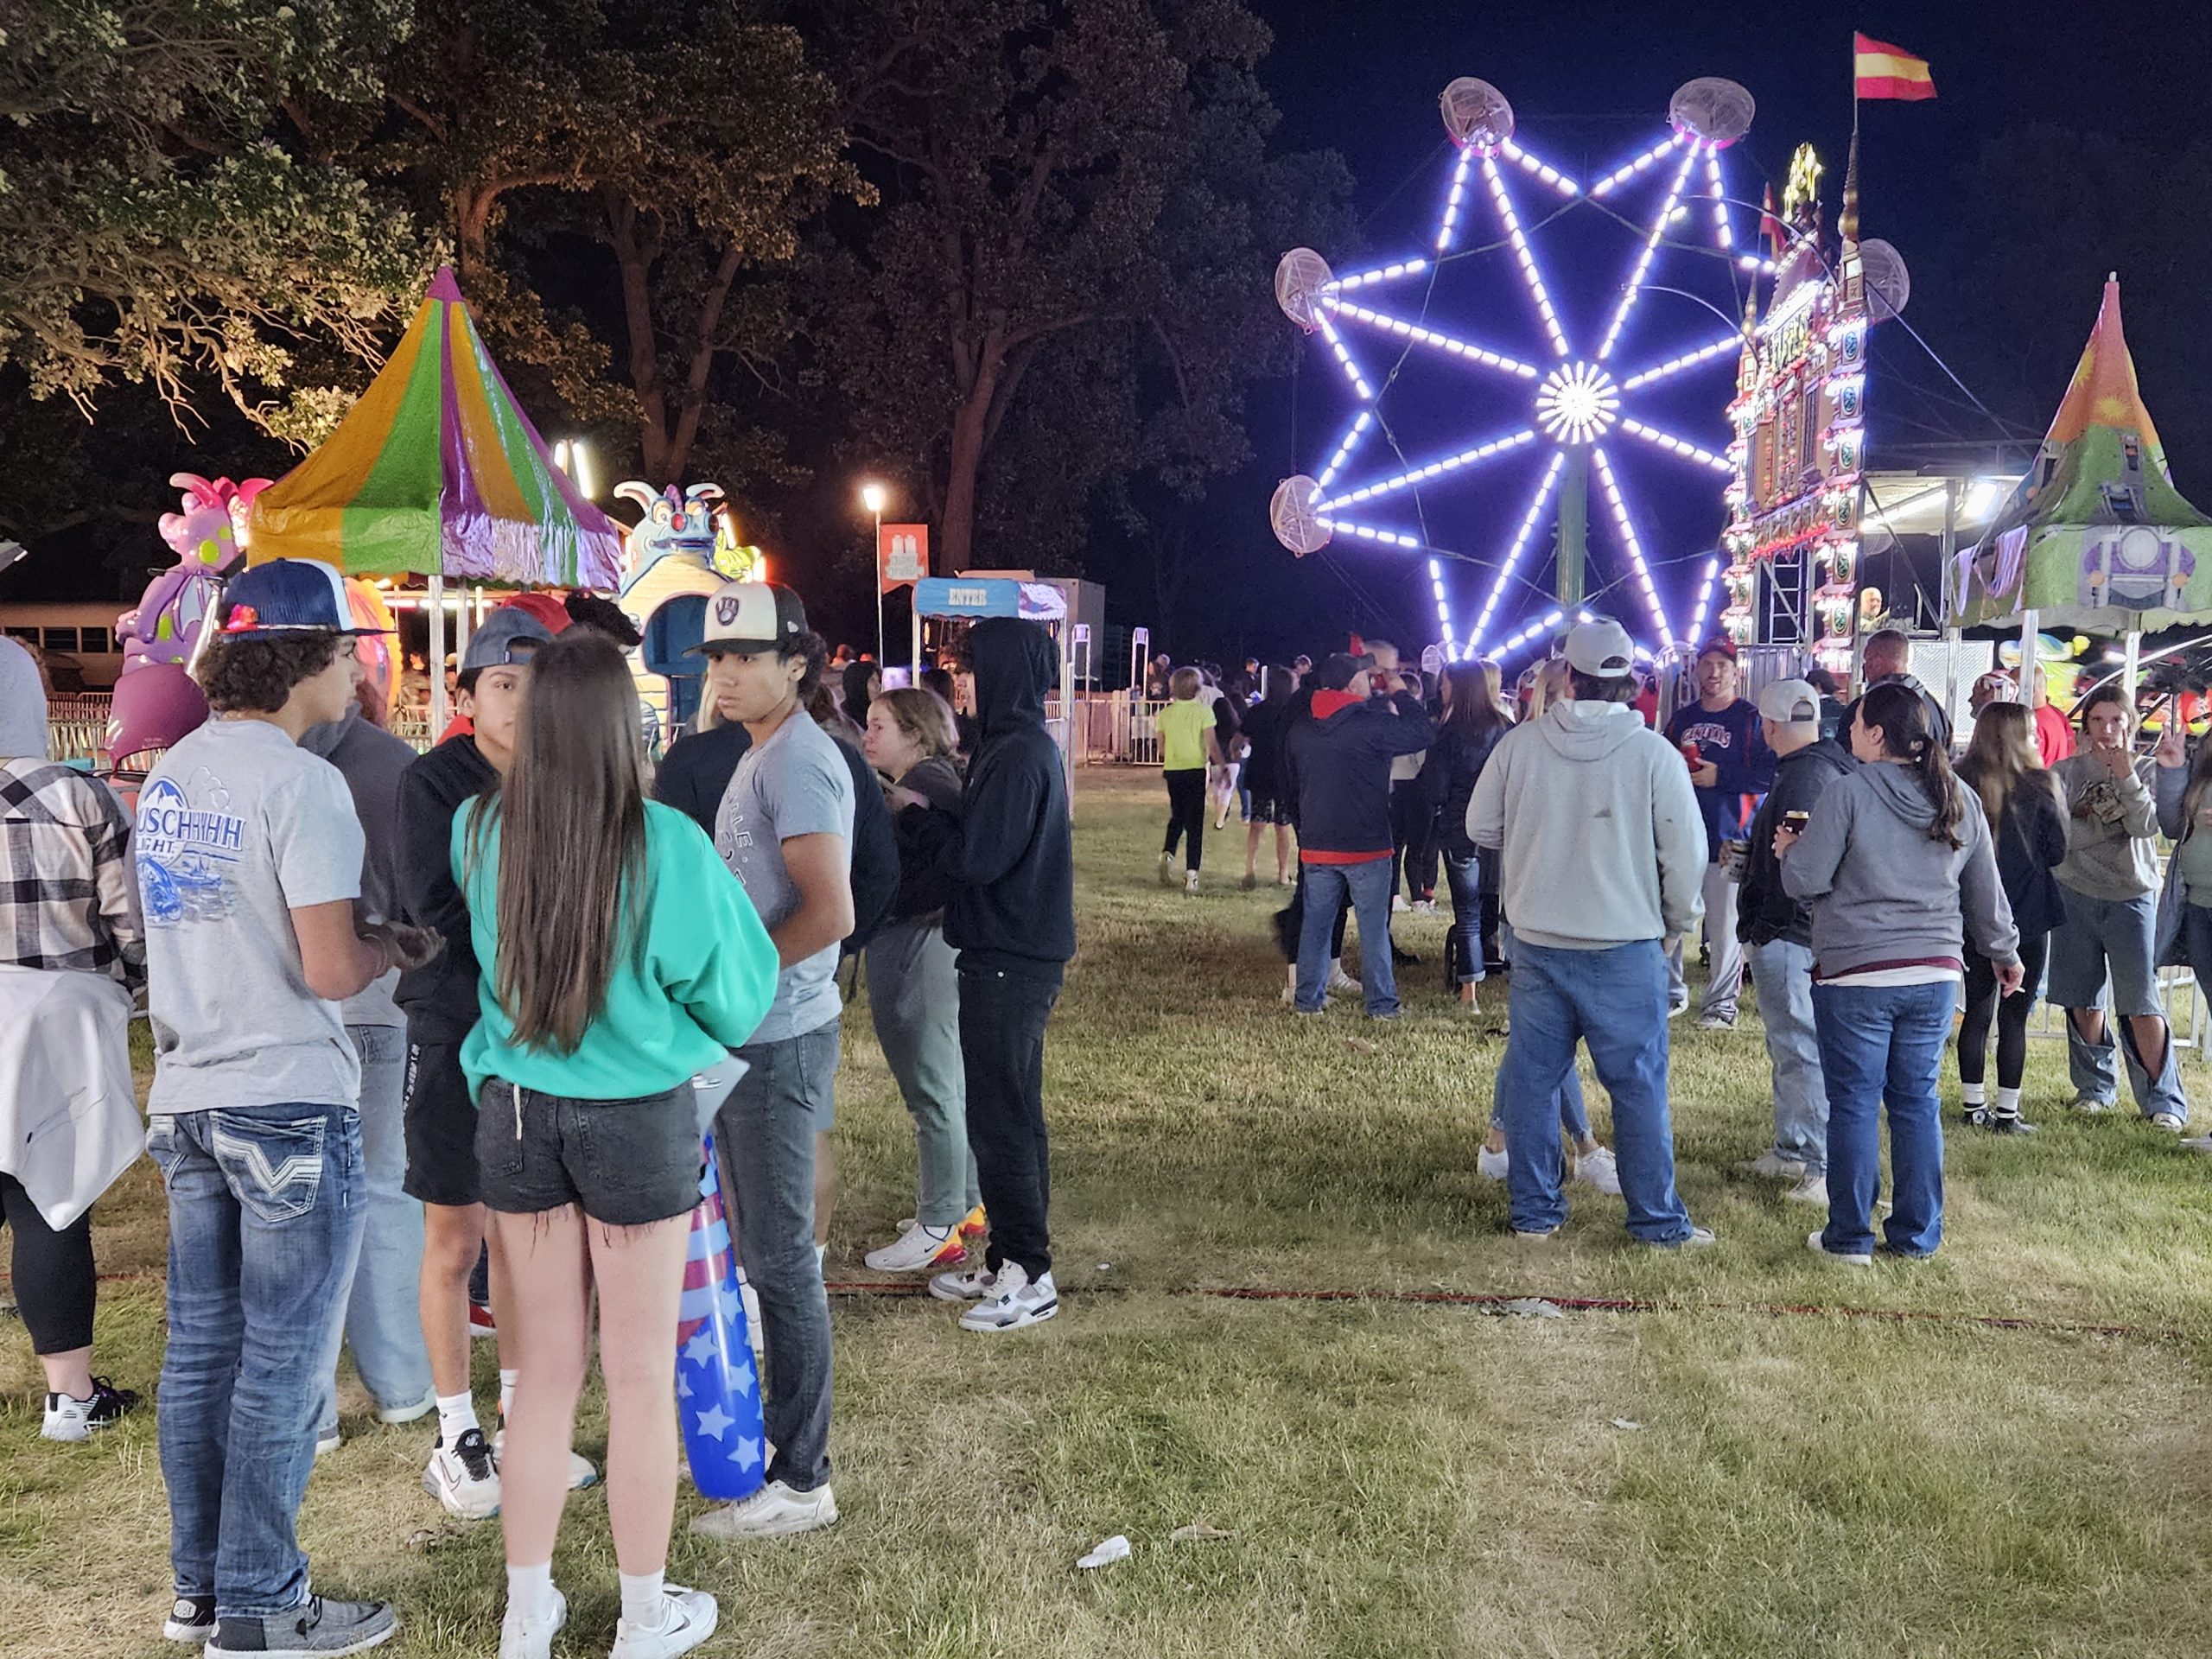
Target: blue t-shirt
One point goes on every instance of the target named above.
(794, 783)
(1730, 739)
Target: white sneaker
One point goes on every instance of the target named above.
(1424, 907)
(1491, 1166)
(1716, 1022)
(1190, 882)
(464, 1478)
(1814, 1189)
(415, 1413)
(1598, 1169)
(1848, 1258)
(687, 1618)
(325, 1444)
(918, 1248)
(774, 1511)
(536, 1642)
(1166, 869)
(1015, 1303)
(963, 1284)
(2198, 1143)
(68, 1418)
(582, 1472)
(1342, 983)
(2084, 1103)
(1398, 904)
(2168, 1121)
(1774, 1166)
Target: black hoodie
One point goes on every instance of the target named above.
(438, 998)
(1337, 769)
(1009, 850)
(1763, 912)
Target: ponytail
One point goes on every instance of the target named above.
(1897, 712)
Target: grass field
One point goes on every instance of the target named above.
(1747, 1471)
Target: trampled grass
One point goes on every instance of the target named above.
(1399, 1478)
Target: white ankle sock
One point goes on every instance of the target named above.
(643, 1607)
(1973, 1094)
(530, 1594)
(457, 1415)
(507, 1393)
(2008, 1102)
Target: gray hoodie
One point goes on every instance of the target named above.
(1603, 841)
(370, 759)
(1882, 891)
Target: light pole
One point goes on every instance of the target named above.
(872, 496)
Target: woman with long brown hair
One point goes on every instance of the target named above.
(618, 955)
(1474, 721)
(2005, 769)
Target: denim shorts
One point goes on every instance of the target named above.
(624, 1162)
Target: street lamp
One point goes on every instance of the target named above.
(874, 496)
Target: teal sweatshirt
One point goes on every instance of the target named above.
(692, 986)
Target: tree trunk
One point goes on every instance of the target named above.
(635, 259)
(963, 464)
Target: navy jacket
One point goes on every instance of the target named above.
(1336, 770)
(1730, 740)
(1455, 761)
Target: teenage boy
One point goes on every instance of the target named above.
(1011, 919)
(249, 858)
(1602, 848)
(784, 829)
(1778, 935)
(1731, 764)
(440, 1004)
(381, 1326)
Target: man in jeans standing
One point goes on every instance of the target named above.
(1337, 766)
(1778, 935)
(1012, 918)
(249, 858)
(1730, 765)
(1603, 852)
(783, 827)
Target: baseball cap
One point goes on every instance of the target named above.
(2001, 685)
(1789, 703)
(1721, 643)
(751, 616)
(510, 635)
(267, 601)
(1340, 670)
(1600, 648)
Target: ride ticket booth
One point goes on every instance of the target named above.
(957, 601)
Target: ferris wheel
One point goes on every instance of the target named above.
(1582, 400)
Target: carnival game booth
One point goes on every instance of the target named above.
(957, 601)
(437, 475)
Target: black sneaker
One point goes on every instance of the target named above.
(314, 1629)
(192, 1619)
(70, 1418)
(2010, 1123)
(1974, 1117)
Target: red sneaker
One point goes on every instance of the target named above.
(479, 1321)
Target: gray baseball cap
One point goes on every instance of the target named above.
(507, 637)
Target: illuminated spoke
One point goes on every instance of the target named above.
(1421, 336)
(1650, 247)
(1351, 369)
(1614, 179)
(1452, 202)
(1433, 469)
(1675, 446)
(1359, 430)
(1723, 236)
(1535, 631)
(1367, 532)
(1704, 602)
(1549, 175)
(1521, 539)
(1686, 360)
(1443, 610)
(1521, 252)
(1639, 568)
(1380, 274)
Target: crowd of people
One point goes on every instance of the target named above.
(433, 1032)
(430, 1036)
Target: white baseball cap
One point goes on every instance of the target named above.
(1790, 703)
(1600, 648)
(750, 616)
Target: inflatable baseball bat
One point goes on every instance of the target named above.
(717, 1387)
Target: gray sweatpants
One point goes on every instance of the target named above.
(914, 994)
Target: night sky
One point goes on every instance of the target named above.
(1587, 94)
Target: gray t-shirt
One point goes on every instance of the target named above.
(795, 784)
(237, 827)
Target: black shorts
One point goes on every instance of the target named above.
(1266, 809)
(624, 1162)
(440, 1121)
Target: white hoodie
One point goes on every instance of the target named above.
(1599, 826)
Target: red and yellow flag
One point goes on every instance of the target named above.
(1883, 71)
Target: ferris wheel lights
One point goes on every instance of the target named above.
(1433, 469)
(1686, 360)
(1366, 533)
(1621, 176)
(1337, 344)
(1452, 202)
(1352, 438)
(1421, 336)
(1520, 540)
(1640, 566)
(1381, 274)
(1675, 446)
(1549, 175)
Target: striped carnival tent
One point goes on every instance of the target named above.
(436, 472)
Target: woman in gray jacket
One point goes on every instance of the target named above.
(914, 993)
(1895, 864)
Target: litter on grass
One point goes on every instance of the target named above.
(1530, 1308)
(1198, 1532)
(1115, 1549)
(1622, 1423)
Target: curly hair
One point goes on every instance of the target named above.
(256, 675)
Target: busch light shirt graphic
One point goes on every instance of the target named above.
(237, 827)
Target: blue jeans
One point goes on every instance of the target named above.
(266, 1216)
(1369, 886)
(1573, 1110)
(1884, 1045)
(1782, 973)
(765, 1132)
(384, 1324)
(2116, 934)
(1615, 1002)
